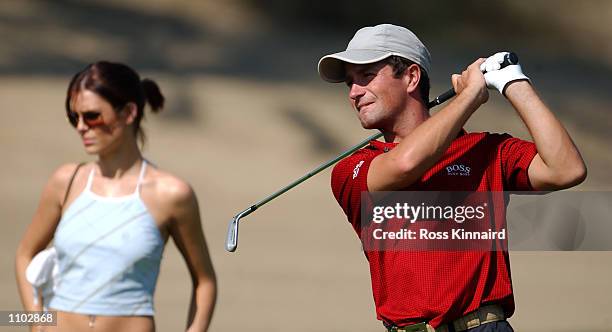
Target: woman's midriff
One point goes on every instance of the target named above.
(71, 322)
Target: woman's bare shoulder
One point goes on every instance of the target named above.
(170, 187)
(61, 176)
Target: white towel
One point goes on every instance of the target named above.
(42, 272)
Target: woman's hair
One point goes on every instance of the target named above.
(118, 84)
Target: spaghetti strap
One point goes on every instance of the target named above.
(141, 176)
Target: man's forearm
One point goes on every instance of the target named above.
(558, 164)
(422, 148)
(426, 144)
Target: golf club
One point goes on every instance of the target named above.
(231, 242)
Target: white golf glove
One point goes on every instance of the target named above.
(497, 77)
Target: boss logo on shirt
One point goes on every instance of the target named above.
(356, 169)
(458, 170)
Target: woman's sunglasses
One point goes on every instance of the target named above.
(91, 118)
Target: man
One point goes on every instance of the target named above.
(386, 69)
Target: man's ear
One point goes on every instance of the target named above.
(412, 77)
(130, 111)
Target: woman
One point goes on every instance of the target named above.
(110, 219)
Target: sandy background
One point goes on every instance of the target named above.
(247, 114)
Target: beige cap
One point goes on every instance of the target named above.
(372, 44)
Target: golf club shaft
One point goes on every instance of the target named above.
(231, 242)
(318, 169)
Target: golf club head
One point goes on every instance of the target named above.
(231, 243)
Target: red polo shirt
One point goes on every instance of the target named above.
(440, 286)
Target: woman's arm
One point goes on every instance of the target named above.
(186, 230)
(40, 231)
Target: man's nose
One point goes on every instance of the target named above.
(356, 91)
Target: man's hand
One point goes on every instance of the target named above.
(471, 82)
(499, 78)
